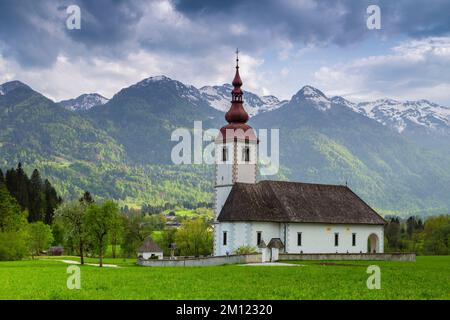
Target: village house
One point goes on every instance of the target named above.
(150, 250)
(279, 216)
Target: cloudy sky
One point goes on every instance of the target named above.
(284, 45)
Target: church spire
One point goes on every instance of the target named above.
(237, 113)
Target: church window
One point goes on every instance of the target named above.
(353, 239)
(336, 239)
(246, 154)
(224, 154)
(258, 238)
(299, 239)
(224, 238)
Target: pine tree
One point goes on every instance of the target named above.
(87, 198)
(52, 201)
(21, 187)
(11, 182)
(35, 198)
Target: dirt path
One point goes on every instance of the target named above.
(89, 264)
(273, 264)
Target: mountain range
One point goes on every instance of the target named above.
(395, 155)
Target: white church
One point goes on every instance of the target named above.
(278, 216)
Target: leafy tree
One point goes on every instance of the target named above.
(12, 245)
(100, 221)
(73, 217)
(167, 238)
(39, 237)
(11, 216)
(136, 229)
(58, 233)
(194, 237)
(437, 235)
(117, 230)
(12, 225)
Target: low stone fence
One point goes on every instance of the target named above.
(349, 256)
(203, 261)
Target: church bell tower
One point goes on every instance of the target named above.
(236, 150)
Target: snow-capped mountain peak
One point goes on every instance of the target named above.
(314, 96)
(83, 102)
(188, 92)
(400, 115)
(342, 101)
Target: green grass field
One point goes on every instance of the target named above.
(428, 278)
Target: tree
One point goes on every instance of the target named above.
(12, 245)
(12, 226)
(73, 216)
(87, 198)
(40, 199)
(39, 237)
(12, 218)
(117, 230)
(194, 237)
(413, 224)
(58, 233)
(135, 232)
(100, 220)
(437, 235)
(168, 237)
(52, 201)
(392, 231)
(35, 199)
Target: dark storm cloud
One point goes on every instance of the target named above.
(20, 37)
(34, 34)
(340, 22)
(106, 21)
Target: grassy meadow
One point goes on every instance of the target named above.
(427, 278)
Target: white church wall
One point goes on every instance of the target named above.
(316, 238)
(243, 234)
(319, 238)
(268, 231)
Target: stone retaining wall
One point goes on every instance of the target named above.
(349, 256)
(207, 261)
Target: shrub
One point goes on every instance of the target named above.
(245, 250)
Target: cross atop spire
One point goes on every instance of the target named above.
(237, 57)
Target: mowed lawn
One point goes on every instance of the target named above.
(428, 278)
